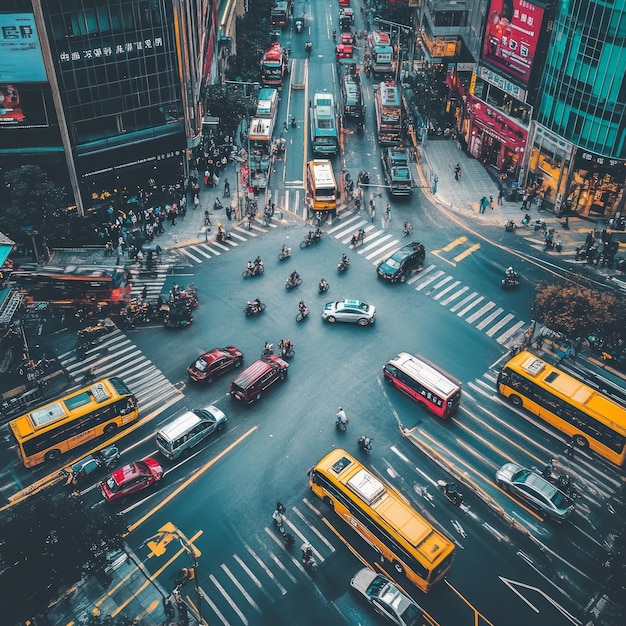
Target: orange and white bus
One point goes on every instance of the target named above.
(384, 518)
(321, 185)
(68, 422)
(424, 382)
(388, 113)
(592, 419)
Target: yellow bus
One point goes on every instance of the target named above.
(84, 414)
(384, 518)
(590, 418)
(321, 185)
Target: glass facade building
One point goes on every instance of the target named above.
(578, 149)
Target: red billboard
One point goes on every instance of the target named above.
(513, 28)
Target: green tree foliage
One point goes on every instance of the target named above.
(227, 103)
(30, 197)
(47, 543)
(253, 35)
(578, 311)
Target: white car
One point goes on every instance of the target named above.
(387, 599)
(353, 311)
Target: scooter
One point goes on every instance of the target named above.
(268, 350)
(323, 286)
(284, 254)
(285, 353)
(407, 230)
(451, 491)
(343, 265)
(308, 559)
(510, 226)
(252, 308)
(302, 314)
(510, 283)
(289, 283)
(365, 443)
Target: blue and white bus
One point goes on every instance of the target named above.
(324, 133)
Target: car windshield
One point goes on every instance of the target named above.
(374, 588)
(560, 500)
(200, 365)
(111, 484)
(393, 263)
(411, 616)
(521, 475)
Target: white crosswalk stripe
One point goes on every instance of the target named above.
(263, 571)
(116, 355)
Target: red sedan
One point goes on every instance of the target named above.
(344, 3)
(131, 478)
(215, 363)
(343, 51)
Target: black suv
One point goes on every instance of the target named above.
(409, 258)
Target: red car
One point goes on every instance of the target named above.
(344, 3)
(215, 363)
(131, 478)
(346, 39)
(343, 51)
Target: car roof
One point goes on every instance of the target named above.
(127, 472)
(213, 355)
(350, 302)
(180, 425)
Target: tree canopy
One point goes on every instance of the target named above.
(228, 103)
(30, 197)
(578, 311)
(47, 543)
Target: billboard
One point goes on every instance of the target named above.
(22, 104)
(20, 52)
(513, 29)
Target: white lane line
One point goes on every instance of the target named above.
(423, 284)
(199, 251)
(211, 250)
(489, 319)
(239, 586)
(369, 246)
(230, 601)
(191, 256)
(505, 320)
(213, 607)
(465, 300)
(252, 577)
(313, 529)
(282, 567)
(380, 250)
(483, 309)
(507, 335)
(343, 224)
(455, 295)
(421, 274)
(441, 283)
(264, 567)
(470, 306)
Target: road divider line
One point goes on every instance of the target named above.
(230, 601)
(192, 479)
(239, 586)
(266, 569)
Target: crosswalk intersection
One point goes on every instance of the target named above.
(485, 315)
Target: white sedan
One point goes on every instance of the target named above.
(387, 599)
(353, 311)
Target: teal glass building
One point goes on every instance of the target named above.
(577, 150)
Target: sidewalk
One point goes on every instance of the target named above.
(439, 158)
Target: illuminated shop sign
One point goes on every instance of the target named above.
(107, 52)
(20, 52)
(502, 83)
(511, 36)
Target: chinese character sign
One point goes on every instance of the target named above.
(511, 35)
(20, 52)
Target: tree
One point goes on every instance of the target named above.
(47, 543)
(578, 311)
(227, 103)
(29, 199)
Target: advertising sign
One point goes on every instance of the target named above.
(22, 104)
(513, 29)
(20, 52)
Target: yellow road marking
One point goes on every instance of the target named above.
(442, 258)
(467, 252)
(454, 244)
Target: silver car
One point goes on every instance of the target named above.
(353, 311)
(387, 599)
(535, 490)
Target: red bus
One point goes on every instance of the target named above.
(388, 114)
(273, 65)
(425, 383)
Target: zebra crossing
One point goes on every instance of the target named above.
(264, 571)
(116, 355)
(484, 315)
(201, 252)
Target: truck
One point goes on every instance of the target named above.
(351, 89)
(397, 171)
(274, 65)
(379, 54)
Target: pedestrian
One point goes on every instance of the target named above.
(357, 203)
(500, 196)
(120, 251)
(196, 200)
(285, 127)
(491, 202)
(372, 213)
(388, 212)
(524, 202)
(175, 239)
(226, 188)
(144, 292)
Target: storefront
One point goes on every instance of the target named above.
(495, 139)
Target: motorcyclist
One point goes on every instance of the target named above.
(285, 250)
(250, 267)
(278, 517)
(318, 233)
(307, 552)
(269, 348)
(302, 308)
(548, 469)
(221, 233)
(258, 265)
(334, 34)
(286, 346)
(344, 260)
(308, 47)
(510, 275)
(408, 227)
(323, 284)
(217, 205)
(293, 277)
(342, 418)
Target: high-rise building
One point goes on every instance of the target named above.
(578, 147)
(107, 92)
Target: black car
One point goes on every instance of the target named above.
(407, 259)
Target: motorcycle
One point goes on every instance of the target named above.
(285, 253)
(286, 352)
(92, 335)
(312, 238)
(254, 308)
(289, 283)
(34, 369)
(451, 491)
(364, 177)
(407, 230)
(510, 283)
(358, 239)
(510, 226)
(560, 481)
(308, 559)
(257, 270)
(308, 48)
(293, 122)
(302, 314)
(342, 421)
(222, 236)
(365, 443)
(343, 264)
(323, 286)
(217, 205)
(299, 26)
(101, 459)
(268, 350)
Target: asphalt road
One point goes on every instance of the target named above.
(222, 497)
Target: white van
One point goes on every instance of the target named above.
(188, 430)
